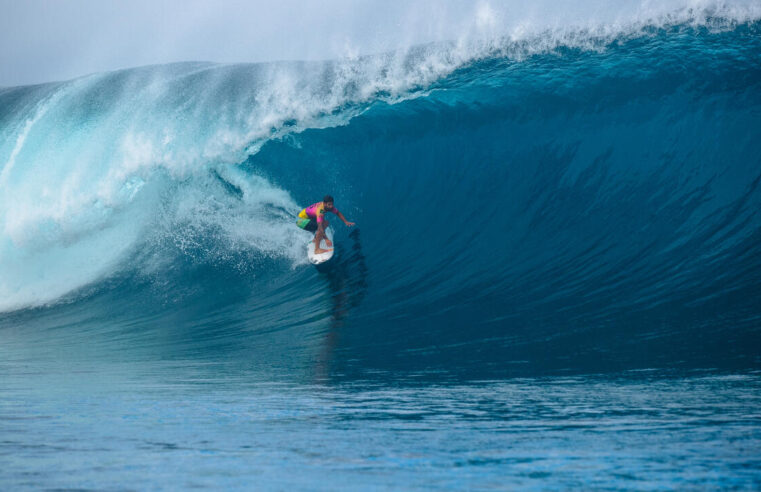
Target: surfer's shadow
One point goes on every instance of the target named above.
(346, 274)
(347, 277)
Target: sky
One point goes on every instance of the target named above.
(50, 40)
(47, 40)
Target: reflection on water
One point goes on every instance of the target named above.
(346, 275)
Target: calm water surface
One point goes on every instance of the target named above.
(175, 425)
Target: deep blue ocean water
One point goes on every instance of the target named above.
(554, 281)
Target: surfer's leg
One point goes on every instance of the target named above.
(318, 237)
(327, 241)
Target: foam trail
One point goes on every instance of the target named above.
(20, 142)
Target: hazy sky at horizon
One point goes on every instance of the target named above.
(45, 40)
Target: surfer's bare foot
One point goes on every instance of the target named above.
(329, 242)
(319, 251)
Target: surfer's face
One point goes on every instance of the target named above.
(328, 205)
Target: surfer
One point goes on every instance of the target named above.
(312, 219)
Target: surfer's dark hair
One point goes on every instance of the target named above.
(327, 199)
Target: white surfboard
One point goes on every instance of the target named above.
(322, 257)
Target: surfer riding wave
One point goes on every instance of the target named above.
(312, 219)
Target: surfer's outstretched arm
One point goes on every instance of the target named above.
(341, 216)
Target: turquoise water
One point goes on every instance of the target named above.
(185, 425)
(554, 280)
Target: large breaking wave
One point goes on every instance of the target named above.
(578, 192)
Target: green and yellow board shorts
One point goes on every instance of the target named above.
(307, 224)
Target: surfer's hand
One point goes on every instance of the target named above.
(350, 224)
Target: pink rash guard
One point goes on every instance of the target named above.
(316, 211)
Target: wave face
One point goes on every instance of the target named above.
(585, 200)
